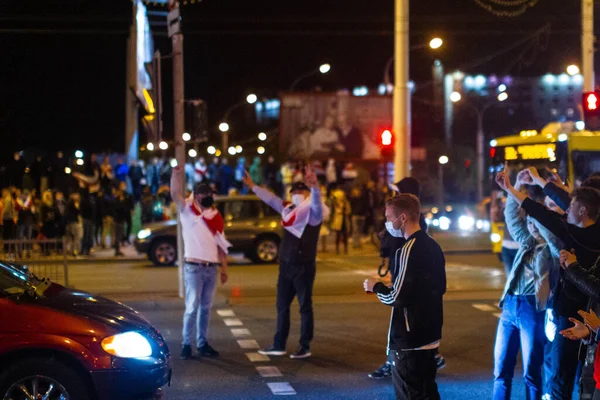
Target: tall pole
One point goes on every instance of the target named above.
(401, 101)
(131, 110)
(480, 158)
(587, 44)
(178, 127)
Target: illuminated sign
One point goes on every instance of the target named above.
(530, 152)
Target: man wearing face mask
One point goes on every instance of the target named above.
(416, 298)
(205, 249)
(301, 220)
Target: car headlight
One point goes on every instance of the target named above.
(465, 223)
(144, 233)
(444, 223)
(127, 345)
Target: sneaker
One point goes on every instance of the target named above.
(186, 352)
(440, 361)
(207, 351)
(385, 371)
(302, 352)
(272, 351)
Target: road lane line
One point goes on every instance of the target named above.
(239, 332)
(484, 307)
(257, 357)
(226, 313)
(248, 344)
(281, 388)
(232, 322)
(269, 371)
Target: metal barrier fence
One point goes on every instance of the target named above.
(46, 258)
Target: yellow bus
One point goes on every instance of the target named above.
(573, 153)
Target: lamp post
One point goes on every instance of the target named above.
(224, 126)
(443, 160)
(433, 44)
(323, 69)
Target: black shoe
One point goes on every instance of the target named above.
(186, 352)
(207, 351)
(385, 371)
(440, 362)
(272, 351)
(302, 352)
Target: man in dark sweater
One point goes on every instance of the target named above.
(416, 298)
(581, 233)
(301, 219)
(119, 211)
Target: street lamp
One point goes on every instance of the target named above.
(224, 127)
(186, 137)
(79, 161)
(436, 43)
(192, 153)
(238, 149)
(260, 150)
(502, 96)
(79, 154)
(251, 98)
(232, 151)
(433, 44)
(150, 146)
(67, 170)
(443, 160)
(163, 145)
(455, 97)
(211, 150)
(572, 69)
(323, 69)
(262, 136)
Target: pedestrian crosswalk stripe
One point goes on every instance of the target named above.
(239, 332)
(281, 388)
(248, 344)
(269, 371)
(226, 313)
(233, 322)
(484, 307)
(257, 357)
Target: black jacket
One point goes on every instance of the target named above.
(416, 294)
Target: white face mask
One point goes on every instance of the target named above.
(393, 231)
(297, 199)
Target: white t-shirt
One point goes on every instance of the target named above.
(198, 241)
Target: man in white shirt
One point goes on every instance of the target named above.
(205, 250)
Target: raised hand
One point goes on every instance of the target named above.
(247, 179)
(310, 178)
(524, 178)
(502, 180)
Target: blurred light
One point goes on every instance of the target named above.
(443, 160)
(192, 153)
(465, 223)
(436, 222)
(360, 91)
(211, 150)
(563, 79)
(437, 63)
(493, 143)
(444, 223)
(495, 237)
(580, 125)
(238, 149)
(502, 96)
(478, 224)
(449, 208)
(173, 163)
(79, 154)
(260, 150)
(502, 88)
(251, 98)
(218, 153)
(79, 161)
(386, 137)
(231, 150)
(480, 81)
(262, 136)
(549, 79)
(572, 69)
(186, 137)
(223, 126)
(469, 82)
(458, 75)
(381, 89)
(150, 146)
(67, 170)
(436, 43)
(435, 210)
(429, 215)
(578, 79)
(455, 96)
(325, 68)
(163, 145)
(259, 107)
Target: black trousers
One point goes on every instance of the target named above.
(295, 280)
(413, 375)
(128, 230)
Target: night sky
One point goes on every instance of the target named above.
(62, 63)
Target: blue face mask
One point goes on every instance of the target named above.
(393, 231)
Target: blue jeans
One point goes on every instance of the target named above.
(521, 326)
(564, 362)
(200, 284)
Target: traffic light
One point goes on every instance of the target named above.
(387, 143)
(591, 110)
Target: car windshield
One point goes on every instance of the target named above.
(16, 279)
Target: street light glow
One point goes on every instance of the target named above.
(223, 126)
(150, 146)
(79, 161)
(79, 154)
(324, 68)
(163, 145)
(231, 150)
(238, 149)
(262, 136)
(572, 69)
(67, 170)
(192, 153)
(186, 137)
(436, 43)
(211, 150)
(443, 160)
(260, 150)
(455, 97)
(251, 98)
(502, 96)
(502, 88)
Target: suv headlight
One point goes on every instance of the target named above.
(144, 233)
(127, 345)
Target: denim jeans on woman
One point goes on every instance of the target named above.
(521, 327)
(200, 284)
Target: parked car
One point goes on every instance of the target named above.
(252, 227)
(59, 343)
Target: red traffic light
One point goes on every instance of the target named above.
(591, 101)
(386, 138)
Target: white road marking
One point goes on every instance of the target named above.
(233, 322)
(257, 357)
(484, 307)
(248, 344)
(281, 388)
(239, 332)
(269, 371)
(226, 313)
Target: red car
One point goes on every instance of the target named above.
(60, 344)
